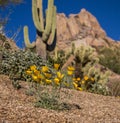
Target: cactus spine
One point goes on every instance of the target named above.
(45, 30)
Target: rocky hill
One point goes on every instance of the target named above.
(81, 28)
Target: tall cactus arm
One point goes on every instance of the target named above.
(40, 14)
(35, 16)
(53, 31)
(49, 15)
(26, 39)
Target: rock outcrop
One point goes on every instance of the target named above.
(82, 28)
(7, 43)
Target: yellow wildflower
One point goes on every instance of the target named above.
(86, 78)
(45, 69)
(56, 66)
(36, 72)
(71, 68)
(75, 85)
(48, 81)
(70, 72)
(75, 80)
(40, 76)
(82, 82)
(57, 81)
(33, 67)
(28, 72)
(59, 75)
(78, 79)
(79, 88)
(35, 78)
(47, 75)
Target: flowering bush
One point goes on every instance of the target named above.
(25, 65)
(47, 76)
(57, 78)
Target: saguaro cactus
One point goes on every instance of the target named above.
(46, 28)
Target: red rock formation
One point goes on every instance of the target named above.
(81, 28)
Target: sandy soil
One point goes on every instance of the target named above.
(17, 107)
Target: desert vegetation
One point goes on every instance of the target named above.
(109, 57)
(81, 68)
(82, 74)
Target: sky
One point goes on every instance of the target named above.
(107, 13)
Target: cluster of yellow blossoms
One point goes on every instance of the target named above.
(56, 77)
(70, 70)
(82, 84)
(44, 76)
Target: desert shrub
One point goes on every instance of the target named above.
(86, 64)
(55, 79)
(15, 63)
(110, 58)
(59, 57)
(84, 74)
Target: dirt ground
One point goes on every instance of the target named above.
(17, 107)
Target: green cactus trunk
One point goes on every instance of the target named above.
(45, 33)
